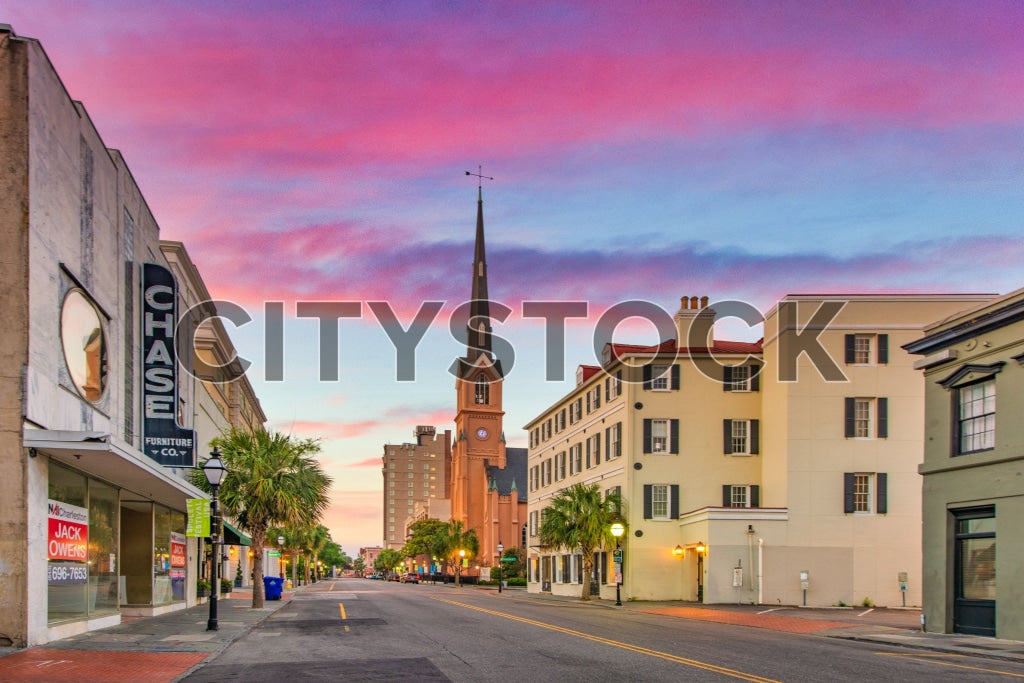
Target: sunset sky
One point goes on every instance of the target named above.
(316, 151)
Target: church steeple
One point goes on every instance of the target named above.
(478, 327)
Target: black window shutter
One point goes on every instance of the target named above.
(607, 393)
(882, 503)
(883, 418)
(674, 500)
(727, 436)
(755, 496)
(607, 442)
(883, 349)
(647, 436)
(850, 410)
(674, 443)
(589, 463)
(675, 377)
(755, 377)
(850, 348)
(726, 495)
(954, 419)
(848, 492)
(647, 501)
(588, 402)
(597, 448)
(755, 440)
(727, 378)
(647, 376)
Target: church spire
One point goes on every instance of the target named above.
(478, 328)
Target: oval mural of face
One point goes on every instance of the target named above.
(85, 347)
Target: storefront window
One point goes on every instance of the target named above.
(67, 538)
(81, 546)
(103, 534)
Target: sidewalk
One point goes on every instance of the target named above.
(162, 648)
(892, 627)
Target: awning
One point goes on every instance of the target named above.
(232, 536)
(106, 457)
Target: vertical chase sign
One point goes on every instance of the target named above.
(163, 439)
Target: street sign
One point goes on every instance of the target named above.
(617, 555)
(508, 559)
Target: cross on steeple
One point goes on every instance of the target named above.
(480, 178)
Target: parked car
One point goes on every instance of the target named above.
(410, 578)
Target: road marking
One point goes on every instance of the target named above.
(773, 609)
(615, 643)
(932, 659)
(344, 617)
(866, 612)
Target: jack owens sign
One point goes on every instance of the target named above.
(164, 439)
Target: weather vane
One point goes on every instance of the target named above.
(480, 178)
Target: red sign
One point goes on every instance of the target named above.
(67, 532)
(177, 549)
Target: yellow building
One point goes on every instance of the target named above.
(782, 470)
(972, 470)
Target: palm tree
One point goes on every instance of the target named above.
(318, 540)
(272, 479)
(578, 518)
(454, 542)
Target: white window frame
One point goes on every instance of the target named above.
(661, 497)
(740, 378)
(863, 345)
(976, 412)
(740, 437)
(660, 442)
(614, 387)
(576, 458)
(661, 378)
(739, 496)
(864, 493)
(614, 439)
(863, 417)
(560, 466)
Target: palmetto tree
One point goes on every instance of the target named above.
(272, 479)
(578, 518)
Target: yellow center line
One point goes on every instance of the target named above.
(615, 643)
(931, 659)
(344, 617)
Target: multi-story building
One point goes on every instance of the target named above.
(777, 470)
(369, 556)
(414, 473)
(97, 420)
(974, 469)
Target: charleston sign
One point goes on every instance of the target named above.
(164, 440)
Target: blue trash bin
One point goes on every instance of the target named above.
(272, 586)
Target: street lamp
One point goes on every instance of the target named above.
(617, 530)
(214, 470)
(501, 549)
(701, 549)
(280, 557)
(458, 570)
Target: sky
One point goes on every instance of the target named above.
(317, 151)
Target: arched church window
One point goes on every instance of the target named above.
(483, 390)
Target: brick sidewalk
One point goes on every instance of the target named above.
(84, 666)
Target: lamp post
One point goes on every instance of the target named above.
(280, 556)
(458, 570)
(214, 470)
(617, 530)
(501, 549)
(701, 549)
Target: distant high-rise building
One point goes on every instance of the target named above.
(414, 473)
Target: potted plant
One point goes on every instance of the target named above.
(225, 586)
(202, 588)
(238, 575)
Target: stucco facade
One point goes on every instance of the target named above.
(782, 477)
(973, 468)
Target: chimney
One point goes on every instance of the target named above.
(693, 308)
